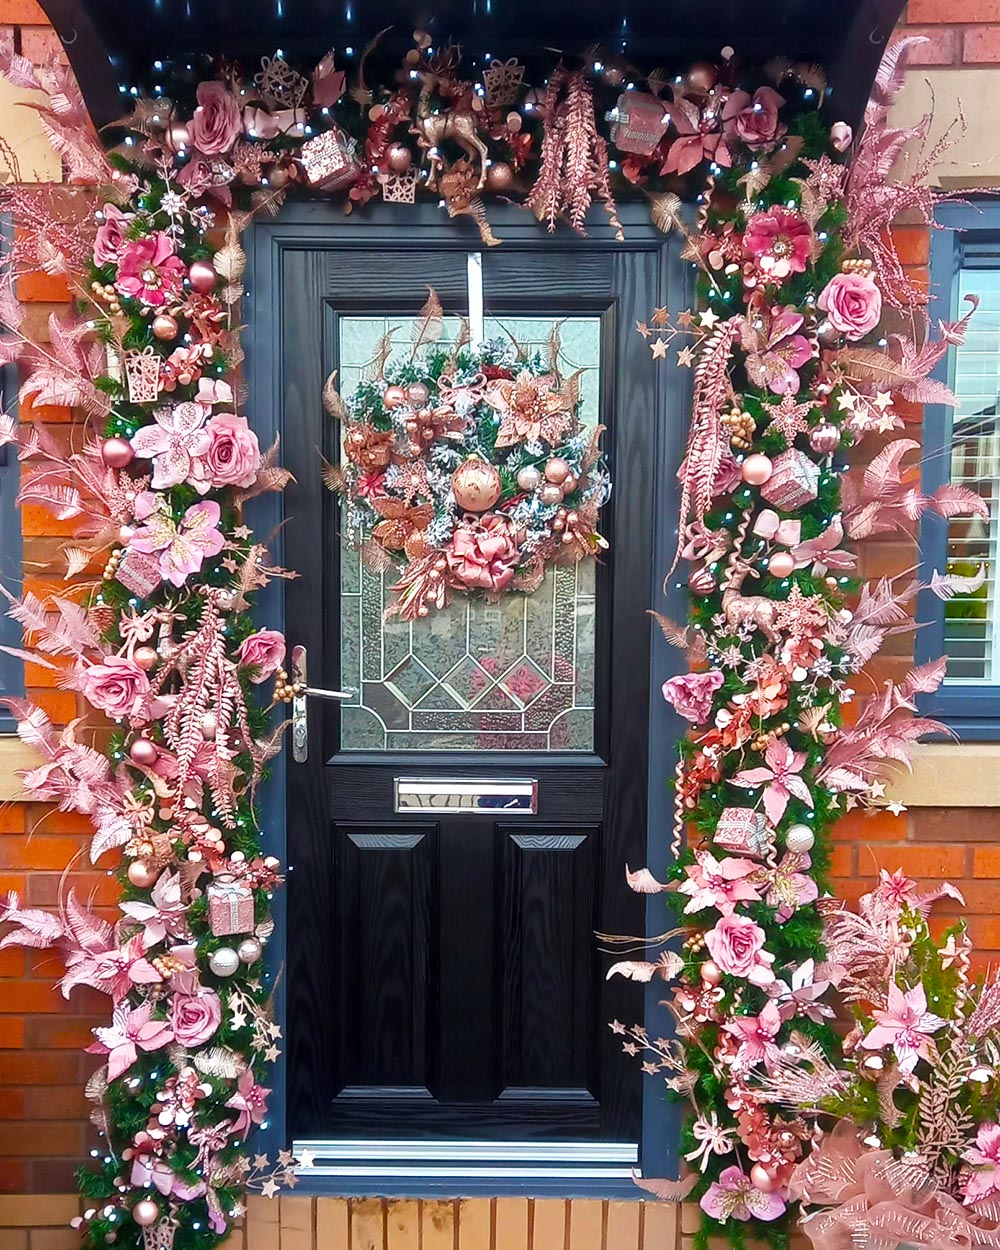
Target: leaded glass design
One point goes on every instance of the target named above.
(514, 675)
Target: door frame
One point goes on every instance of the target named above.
(311, 223)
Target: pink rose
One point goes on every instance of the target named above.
(263, 651)
(853, 303)
(216, 123)
(195, 1017)
(690, 694)
(116, 686)
(483, 554)
(755, 121)
(233, 455)
(736, 944)
(110, 236)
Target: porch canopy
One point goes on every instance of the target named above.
(116, 44)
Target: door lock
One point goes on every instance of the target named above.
(300, 715)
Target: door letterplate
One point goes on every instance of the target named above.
(514, 796)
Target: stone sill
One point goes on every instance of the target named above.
(14, 755)
(950, 774)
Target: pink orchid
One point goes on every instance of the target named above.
(250, 1100)
(788, 886)
(172, 442)
(690, 694)
(181, 547)
(734, 1196)
(718, 883)
(780, 243)
(803, 993)
(905, 1026)
(756, 1036)
(984, 1156)
(129, 1032)
(698, 138)
(775, 349)
(150, 271)
(781, 776)
(166, 912)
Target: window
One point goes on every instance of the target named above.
(963, 446)
(11, 668)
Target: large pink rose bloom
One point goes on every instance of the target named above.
(755, 120)
(217, 123)
(116, 686)
(232, 457)
(150, 271)
(110, 237)
(853, 304)
(483, 556)
(736, 945)
(195, 1017)
(262, 651)
(779, 242)
(690, 694)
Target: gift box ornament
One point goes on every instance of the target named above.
(230, 906)
(794, 480)
(744, 832)
(139, 573)
(638, 123)
(329, 160)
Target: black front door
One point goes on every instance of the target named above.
(443, 977)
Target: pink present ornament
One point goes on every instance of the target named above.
(329, 160)
(794, 480)
(230, 906)
(743, 831)
(638, 123)
(139, 573)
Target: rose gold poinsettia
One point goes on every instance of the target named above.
(529, 409)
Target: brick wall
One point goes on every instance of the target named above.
(961, 32)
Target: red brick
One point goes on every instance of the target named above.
(941, 47)
(860, 827)
(913, 244)
(951, 11)
(12, 818)
(58, 1033)
(43, 287)
(42, 1140)
(13, 1104)
(11, 1033)
(29, 997)
(55, 1102)
(38, 520)
(948, 824)
(12, 962)
(981, 44)
(59, 705)
(41, 1068)
(842, 861)
(52, 1176)
(41, 851)
(14, 1177)
(986, 861)
(22, 13)
(50, 414)
(935, 862)
(985, 932)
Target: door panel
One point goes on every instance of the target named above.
(442, 968)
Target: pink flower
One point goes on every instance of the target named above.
(690, 694)
(781, 776)
(788, 887)
(166, 912)
(756, 1036)
(232, 457)
(737, 946)
(198, 177)
(905, 1026)
(149, 270)
(262, 651)
(116, 686)
(483, 554)
(775, 349)
(734, 1196)
(718, 883)
(755, 121)
(110, 235)
(699, 138)
(216, 123)
(172, 441)
(853, 304)
(195, 1017)
(181, 547)
(250, 1100)
(984, 1156)
(780, 242)
(129, 1032)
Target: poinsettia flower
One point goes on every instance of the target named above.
(984, 1156)
(780, 778)
(181, 547)
(699, 138)
(756, 1036)
(250, 1101)
(718, 883)
(802, 993)
(788, 886)
(113, 971)
(129, 1032)
(734, 1196)
(166, 912)
(906, 1025)
(175, 438)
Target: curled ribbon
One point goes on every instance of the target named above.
(701, 543)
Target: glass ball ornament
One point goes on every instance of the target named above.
(762, 1178)
(143, 752)
(400, 158)
(117, 452)
(781, 564)
(145, 1212)
(702, 582)
(146, 658)
(202, 276)
(393, 396)
(711, 973)
(165, 327)
(756, 469)
(556, 470)
(499, 177)
(417, 394)
(224, 961)
(476, 485)
(528, 478)
(249, 950)
(824, 438)
(550, 493)
(142, 875)
(799, 839)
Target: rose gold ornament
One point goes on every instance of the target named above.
(178, 137)
(476, 485)
(141, 874)
(117, 452)
(824, 438)
(711, 973)
(202, 276)
(756, 469)
(550, 493)
(702, 582)
(556, 470)
(528, 477)
(145, 1212)
(827, 333)
(569, 485)
(417, 394)
(761, 1178)
(781, 564)
(209, 726)
(702, 76)
(165, 327)
(278, 177)
(143, 752)
(393, 396)
(400, 158)
(146, 657)
(249, 950)
(499, 176)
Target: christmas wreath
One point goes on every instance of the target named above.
(471, 469)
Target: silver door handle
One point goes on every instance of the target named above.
(300, 713)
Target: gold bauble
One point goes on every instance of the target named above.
(476, 485)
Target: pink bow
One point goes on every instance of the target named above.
(260, 124)
(702, 543)
(770, 525)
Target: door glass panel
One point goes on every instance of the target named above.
(513, 675)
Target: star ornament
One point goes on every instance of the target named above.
(659, 349)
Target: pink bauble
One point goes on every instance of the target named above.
(701, 582)
(393, 396)
(824, 438)
(143, 752)
(165, 327)
(202, 276)
(556, 470)
(756, 469)
(145, 1212)
(550, 493)
(476, 485)
(400, 158)
(781, 564)
(146, 657)
(528, 477)
(141, 874)
(117, 452)
(417, 394)
(761, 1178)
(711, 973)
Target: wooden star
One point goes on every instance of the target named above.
(660, 316)
(685, 319)
(708, 319)
(882, 400)
(659, 349)
(685, 357)
(241, 531)
(846, 401)
(643, 329)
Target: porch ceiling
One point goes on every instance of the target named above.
(116, 42)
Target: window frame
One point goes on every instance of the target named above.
(11, 548)
(972, 712)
